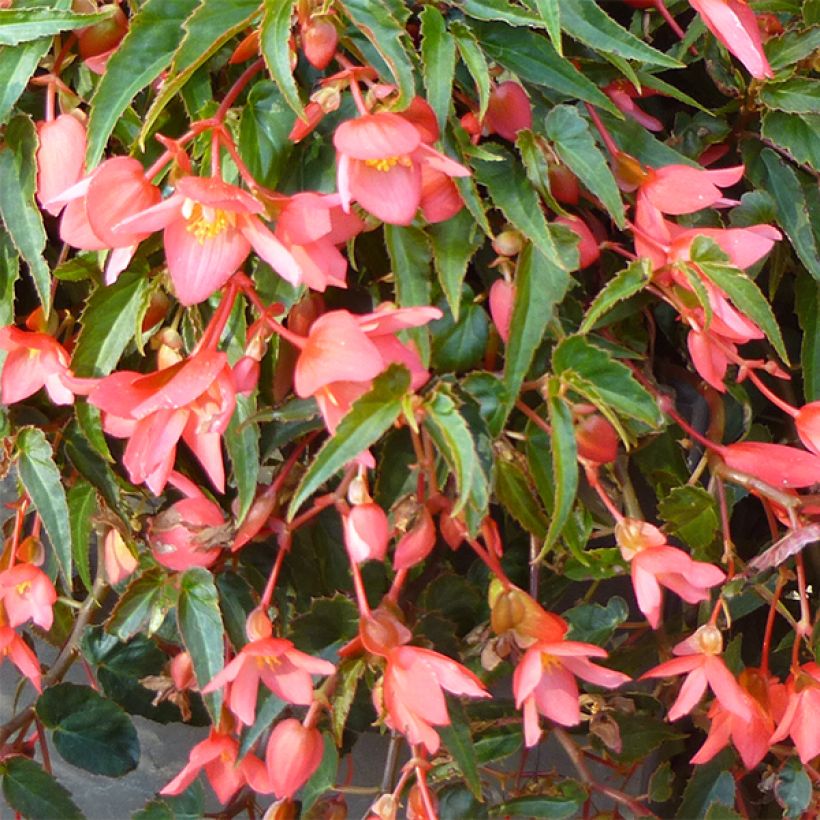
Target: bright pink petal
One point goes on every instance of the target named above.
(776, 464)
(213, 192)
(717, 739)
(690, 693)
(527, 675)
(557, 696)
(376, 136)
(727, 690)
(244, 689)
(60, 158)
(75, 229)
(154, 218)
(709, 360)
(647, 592)
(392, 195)
(21, 377)
(681, 189)
(270, 249)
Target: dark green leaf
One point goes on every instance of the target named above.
(593, 623)
(793, 788)
(640, 734)
(711, 783)
(9, 273)
(386, 33)
(274, 41)
(270, 709)
(201, 628)
(327, 622)
(18, 175)
(34, 793)
(454, 243)
(692, 515)
(324, 778)
(153, 36)
(575, 145)
(661, 782)
(90, 731)
(565, 801)
(631, 280)
(488, 390)
(93, 467)
(460, 346)
(138, 606)
(16, 68)
(797, 95)
(597, 565)
(459, 742)
(515, 491)
(344, 693)
(242, 443)
(109, 323)
(539, 286)
(263, 133)
(438, 53)
(44, 484)
(473, 57)
(499, 10)
(794, 133)
(20, 26)
(807, 303)
(791, 47)
(368, 419)
(190, 805)
(82, 506)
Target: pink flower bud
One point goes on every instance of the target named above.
(807, 422)
(60, 158)
(564, 185)
(319, 41)
(508, 110)
(118, 560)
(588, 250)
(596, 439)
(182, 536)
(502, 297)
(417, 543)
(293, 755)
(366, 532)
(182, 671)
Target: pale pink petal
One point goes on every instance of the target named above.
(727, 690)
(527, 674)
(393, 195)
(690, 693)
(647, 593)
(532, 731)
(557, 696)
(60, 158)
(75, 229)
(376, 136)
(270, 249)
(717, 739)
(152, 219)
(118, 260)
(243, 691)
(598, 675)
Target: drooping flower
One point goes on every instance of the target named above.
(417, 543)
(118, 560)
(588, 247)
(682, 189)
(218, 755)
(544, 682)
(27, 592)
(699, 657)
(655, 564)
(209, 229)
(379, 158)
(807, 424)
(60, 158)
(279, 665)
(366, 532)
(184, 535)
(12, 646)
(735, 25)
(802, 708)
(502, 300)
(294, 752)
(623, 93)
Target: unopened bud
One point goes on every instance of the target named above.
(508, 243)
(258, 625)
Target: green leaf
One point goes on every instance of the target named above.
(589, 24)
(565, 801)
(438, 62)
(513, 194)
(564, 463)
(454, 244)
(143, 603)
(348, 674)
(20, 26)
(274, 42)
(16, 68)
(369, 418)
(711, 783)
(459, 742)
(82, 505)
(410, 259)
(263, 133)
(532, 58)
(9, 274)
(640, 735)
(44, 485)
(539, 286)
(22, 218)
(792, 47)
(201, 628)
(792, 210)
(796, 134)
(109, 323)
(488, 390)
(499, 10)
(324, 778)
(626, 283)
(269, 709)
(550, 12)
(744, 293)
(473, 57)
(327, 622)
(515, 492)
(90, 731)
(575, 145)
(385, 33)
(661, 782)
(242, 443)
(692, 515)
(34, 793)
(606, 382)
(797, 95)
(793, 788)
(211, 26)
(153, 36)
(460, 346)
(807, 304)
(190, 805)
(593, 623)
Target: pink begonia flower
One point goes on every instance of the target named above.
(700, 660)
(12, 646)
(279, 665)
(623, 93)
(60, 158)
(417, 543)
(343, 353)
(209, 229)
(735, 25)
(413, 692)
(312, 226)
(37, 360)
(655, 564)
(682, 189)
(508, 111)
(27, 592)
(118, 560)
(293, 754)
(180, 536)
(767, 697)
(366, 532)
(807, 423)
(219, 756)
(544, 682)
(776, 464)
(379, 161)
(802, 708)
(502, 301)
(193, 400)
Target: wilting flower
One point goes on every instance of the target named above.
(544, 682)
(193, 399)
(735, 25)
(218, 755)
(802, 708)
(279, 665)
(380, 157)
(27, 592)
(60, 158)
(294, 753)
(210, 227)
(700, 660)
(366, 532)
(655, 564)
(751, 738)
(413, 692)
(12, 646)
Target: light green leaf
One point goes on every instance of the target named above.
(274, 42)
(454, 243)
(438, 62)
(473, 57)
(550, 11)
(499, 10)
(797, 95)
(794, 133)
(631, 280)
(16, 68)
(23, 25)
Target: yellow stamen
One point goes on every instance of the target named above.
(549, 661)
(205, 222)
(271, 661)
(386, 163)
(23, 587)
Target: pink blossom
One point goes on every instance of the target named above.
(502, 301)
(294, 752)
(366, 532)
(60, 158)
(623, 93)
(417, 543)
(27, 592)
(12, 646)
(802, 708)
(118, 560)
(508, 111)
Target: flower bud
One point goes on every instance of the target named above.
(382, 631)
(508, 243)
(632, 536)
(564, 185)
(182, 536)
(508, 110)
(182, 672)
(258, 625)
(366, 532)
(319, 41)
(294, 753)
(417, 543)
(502, 298)
(596, 439)
(119, 562)
(588, 250)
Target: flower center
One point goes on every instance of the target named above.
(22, 588)
(386, 163)
(271, 661)
(549, 662)
(205, 222)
